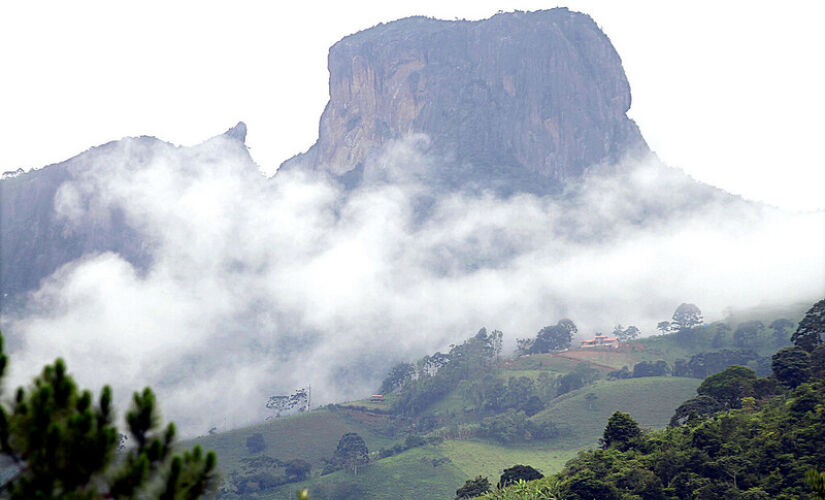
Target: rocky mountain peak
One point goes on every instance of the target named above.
(520, 101)
(238, 132)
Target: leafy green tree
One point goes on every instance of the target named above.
(532, 406)
(494, 392)
(351, 452)
(722, 331)
(805, 399)
(546, 386)
(698, 406)
(513, 426)
(817, 361)
(585, 485)
(620, 374)
(790, 366)
(625, 334)
(780, 329)
(729, 386)
(620, 431)
(297, 469)
(732, 466)
(809, 333)
(686, 317)
(816, 481)
(524, 346)
(63, 445)
(663, 327)
(554, 338)
(473, 488)
(519, 391)
(658, 368)
(397, 378)
(747, 333)
(256, 443)
(516, 473)
(581, 375)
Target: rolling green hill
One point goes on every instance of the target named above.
(416, 473)
(437, 469)
(311, 437)
(651, 401)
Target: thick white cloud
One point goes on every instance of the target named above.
(259, 286)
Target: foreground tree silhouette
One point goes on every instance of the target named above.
(621, 430)
(516, 473)
(473, 488)
(63, 446)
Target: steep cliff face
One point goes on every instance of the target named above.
(517, 98)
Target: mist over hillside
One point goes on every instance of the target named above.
(184, 268)
(257, 287)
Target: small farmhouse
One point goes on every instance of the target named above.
(601, 341)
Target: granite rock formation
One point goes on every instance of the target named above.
(520, 101)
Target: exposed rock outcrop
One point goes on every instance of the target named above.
(520, 101)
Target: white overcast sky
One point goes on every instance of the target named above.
(732, 92)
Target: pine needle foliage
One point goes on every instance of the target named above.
(60, 443)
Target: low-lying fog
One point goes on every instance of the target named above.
(260, 286)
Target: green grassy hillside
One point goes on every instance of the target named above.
(476, 456)
(311, 437)
(429, 471)
(651, 401)
(437, 470)
(415, 474)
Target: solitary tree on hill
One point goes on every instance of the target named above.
(398, 377)
(686, 317)
(554, 338)
(351, 452)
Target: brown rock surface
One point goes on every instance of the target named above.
(514, 101)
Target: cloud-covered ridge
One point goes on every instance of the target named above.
(260, 286)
